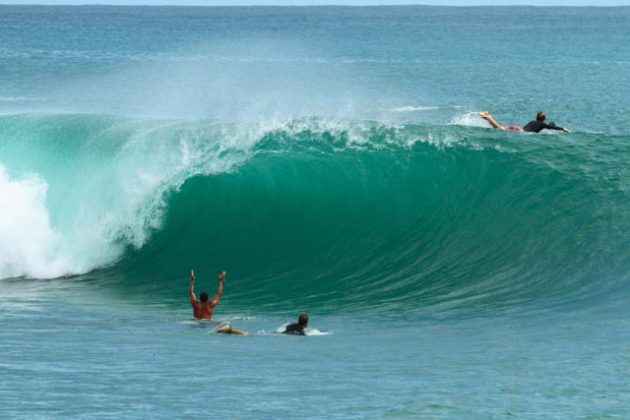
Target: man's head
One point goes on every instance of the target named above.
(204, 297)
(303, 320)
(541, 116)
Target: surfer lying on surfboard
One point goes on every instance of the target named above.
(532, 126)
(297, 328)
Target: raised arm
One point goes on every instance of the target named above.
(191, 288)
(215, 299)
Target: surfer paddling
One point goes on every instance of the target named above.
(202, 309)
(532, 126)
(297, 328)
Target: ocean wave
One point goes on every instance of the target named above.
(360, 214)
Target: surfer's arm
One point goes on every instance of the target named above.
(216, 298)
(191, 288)
(554, 127)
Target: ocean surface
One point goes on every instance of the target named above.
(331, 160)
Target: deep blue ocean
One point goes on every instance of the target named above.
(332, 161)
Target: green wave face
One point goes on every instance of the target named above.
(340, 215)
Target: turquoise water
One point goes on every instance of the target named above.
(331, 161)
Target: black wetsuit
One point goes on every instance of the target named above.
(294, 329)
(536, 126)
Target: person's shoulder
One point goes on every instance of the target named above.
(532, 126)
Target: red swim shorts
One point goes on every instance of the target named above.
(513, 128)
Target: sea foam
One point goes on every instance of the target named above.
(29, 246)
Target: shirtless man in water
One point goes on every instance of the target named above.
(203, 309)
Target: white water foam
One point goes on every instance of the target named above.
(414, 108)
(470, 119)
(29, 246)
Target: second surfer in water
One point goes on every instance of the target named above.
(297, 328)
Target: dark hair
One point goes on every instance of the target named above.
(541, 116)
(204, 296)
(303, 320)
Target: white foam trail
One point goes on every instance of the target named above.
(315, 332)
(414, 108)
(29, 246)
(470, 119)
(19, 99)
